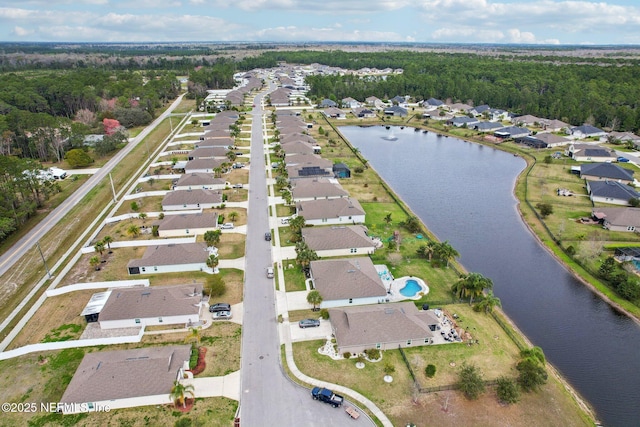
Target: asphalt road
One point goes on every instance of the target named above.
(11, 256)
(267, 397)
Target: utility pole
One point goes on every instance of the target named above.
(113, 189)
(43, 261)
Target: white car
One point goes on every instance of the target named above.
(221, 315)
(285, 221)
(227, 226)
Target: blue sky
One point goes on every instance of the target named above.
(428, 21)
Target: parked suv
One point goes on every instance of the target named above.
(267, 236)
(220, 306)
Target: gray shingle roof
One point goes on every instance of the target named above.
(202, 164)
(317, 187)
(174, 254)
(605, 170)
(620, 217)
(329, 208)
(198, 178)
(327, 238)
(382, 323)
(186, 221)
(110, 375)
(612, 190)
(152, 301)
(208, 152)
(347, 278)
(191, 197)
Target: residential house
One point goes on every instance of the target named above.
(527, 120)
(619, 219)
(382, 326)
(364, 113)
(626, 138)
(299, 172)
(202, 166)
(611, 192)
(590, 153)
(432, 104)
(479, 110)
(331, 211)
(399, 100)
(346, 282)
(487, 126)
(511, 132)
(606, 172)
(586, 131)
(317, 188)
(308, 160)
(396, 111)
(334, 113)
(191, 199)
(458, 108)
(543, 140)
(496, 114)
(372, 101)
(297, 147)
(199, 181)
(339, 240)
(225, 142)
(187, 224)
(552, 125)
(340, 170)
(280, 97)
(208, 153)
(152, 305)
(350, 103)
(463, 121)
(173, 258)
(297, 137)
(327, 103)
(125, 378)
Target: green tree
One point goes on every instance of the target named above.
(216, 286)
(427, 249)
(142, 216)
(107, 240)
(212, 261)
(99, 247)
(471, 285)
(78, 158)
(607, 268)
(387, 219)
(507, 390)
(488, 302)
(314, 298)
(531, 374)
(212, 237)
(296, 225)
(545, 209)
(445, 252)
(233, 215)
(181, 392)
(412, 224)
(430, 371)
(470, 381)
(135, 207)
(133, 230)
(95, 262)
(305, 255)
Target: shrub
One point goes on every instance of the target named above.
(193, 359)
(216, 286)
(324, 314)
(78, 158)
(531, 374)
(470, 381)
(430, 371)
(346, 355)
(372, 353)
(389, 368)
(507, 390)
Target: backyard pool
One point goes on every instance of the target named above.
(411, 288)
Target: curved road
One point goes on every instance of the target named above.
(14, 253)
(267, 397)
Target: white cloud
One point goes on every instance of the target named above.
(318, 6)
(293, 33)
(21, 32)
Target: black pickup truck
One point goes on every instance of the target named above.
(327, 396)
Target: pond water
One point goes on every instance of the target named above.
(463, 192)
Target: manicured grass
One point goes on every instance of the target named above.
(293, 277)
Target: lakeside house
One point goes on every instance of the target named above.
(317, 188)
(590, 153)
(348, 281)
(606, 172)
(382, 326)
(344, 210)
(611, 192)
(618, 219)
(125, 378)
(339, 240)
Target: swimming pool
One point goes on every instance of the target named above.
(411, 288)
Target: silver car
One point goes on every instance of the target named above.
(309, 323)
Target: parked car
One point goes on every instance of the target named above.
(227, 226)
(270, 272)
(309, 323)
(267, 236)
(220, 306)
(237, 185)
(285, 221)
(327, 396)
(221, 315)
(623, 159)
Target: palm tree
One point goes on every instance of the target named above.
(107, 240)
(471, 285)
(314, 298)
(212, 261)
(296, 224)
(488, 302)
(212, 237)
(233, 215)
(231, 155)
(133, 230)
(445, 252)
(99, 247)
(179, 393)
(387, 219)
(94, 261)
(194, 335)
(281, 181)
(427, 249)
(142, 216)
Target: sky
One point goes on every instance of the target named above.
(558, 22)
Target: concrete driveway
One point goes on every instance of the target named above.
(322, 332)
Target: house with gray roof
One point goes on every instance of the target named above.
(479, 110)
(187, 224)
(334, 113)
(527, 120)
(375, 102)
(625, 137)
(461, 121)
(543, 140)
(125, 378)
(619, 219)
(208, 153)
(347, 281)
(307, 160)
(590, 153)
(350, 103)
(327, 103)
(363, 113)
(202, 165)
(297, 147)
(339, 240)
(224, 142)
(331, 211)
(587, 131)
(396, 111)
(382, 326)
(611, 192)
(303, 172)
(458, 107)
(199, 181)
(487, 126)
(606, 172)
(152, 305)
(317, 188)
(173, 258)
(511, 132)
(179, 200)
(399, 100)
(297, 137)
(432, 104)
(553, 125)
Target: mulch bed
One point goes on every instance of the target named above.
(201, 365)
(188, 404)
